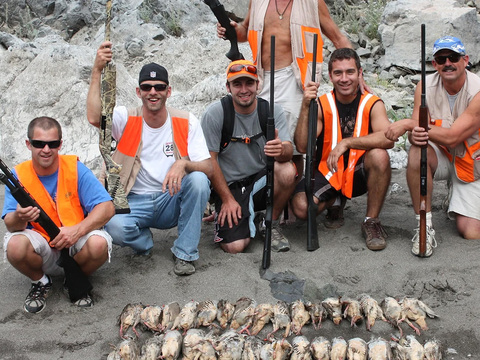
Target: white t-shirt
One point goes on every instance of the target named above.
(157, 151)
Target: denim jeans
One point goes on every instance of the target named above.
(162, 211)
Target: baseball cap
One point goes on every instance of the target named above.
(153, 71)
(449, 43)
(241, 68)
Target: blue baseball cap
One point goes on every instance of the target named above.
(449, 43)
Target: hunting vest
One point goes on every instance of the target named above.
(304, 23)
(129, 146)
(343, 178)
(465, 156)
(66, 210)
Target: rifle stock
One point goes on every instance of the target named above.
(76, 281)
(231, 35)
(267, 248)
(423, 122)
(112, 180)
(312, 232)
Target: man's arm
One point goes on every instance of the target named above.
(180, 168)
(301, 131)
(462, 128)
(19, 219)
(330, 29)
(97, 218)
(240, 28)
(376, 140)
(94, 102)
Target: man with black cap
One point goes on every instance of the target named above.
(165, 165)
(453, 100)
(239, 175)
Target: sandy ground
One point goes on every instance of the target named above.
(448, 282)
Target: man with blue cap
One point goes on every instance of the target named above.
(453, 100)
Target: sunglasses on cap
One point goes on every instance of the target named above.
(39, 144)
(239, 67)
(441, 59)
(148, 87)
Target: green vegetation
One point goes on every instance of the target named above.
(355, 18)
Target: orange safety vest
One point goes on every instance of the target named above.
(343, 178)
(465, 156)
(304, 23)
(130, 145)
(66, 210)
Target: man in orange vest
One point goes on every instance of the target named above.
(67, 191)
(165, 165)
(453, 100)
(293, 23)
(351, 145)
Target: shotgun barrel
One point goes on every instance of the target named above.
(267, 248)
(312, 232)
(108, 86)
(423, 122)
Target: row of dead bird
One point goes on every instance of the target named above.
(246, 316)
(230, 345)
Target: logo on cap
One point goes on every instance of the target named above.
(153, 74)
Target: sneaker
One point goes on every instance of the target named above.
(279, 242)
(183, 267)
(84, 302)
(36, 298)
(374, 234)
(431, 242)
(334, 218)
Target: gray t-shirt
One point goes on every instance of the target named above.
(239, 160)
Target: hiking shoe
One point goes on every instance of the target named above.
(279, 242)
(334, 217)
(84, 302)
(183, 267)
(259, 222)
(431, 242)
(36, 298)
(374, 234)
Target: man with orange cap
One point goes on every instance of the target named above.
(239, 175)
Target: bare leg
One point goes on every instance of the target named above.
(236, 246)
(21, 255)
(377, 167)
(93, 254)
(413, 176)
(284, 184)
(468, 227)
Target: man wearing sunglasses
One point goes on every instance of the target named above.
(239, 176)
(453, 100)
(165, 164)
(66, 190)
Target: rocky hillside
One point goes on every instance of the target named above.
(47, 48)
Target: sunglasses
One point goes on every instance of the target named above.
(454, 58)
(158, 87)
(39, 144)
(239, 67)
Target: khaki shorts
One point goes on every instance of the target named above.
(464, 198)
(51, 255)
(287, 94)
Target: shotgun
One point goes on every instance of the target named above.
(230, 34)
(312, 232)
(76, 281)
(112, 180)
(267, 248)
(423, 122)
